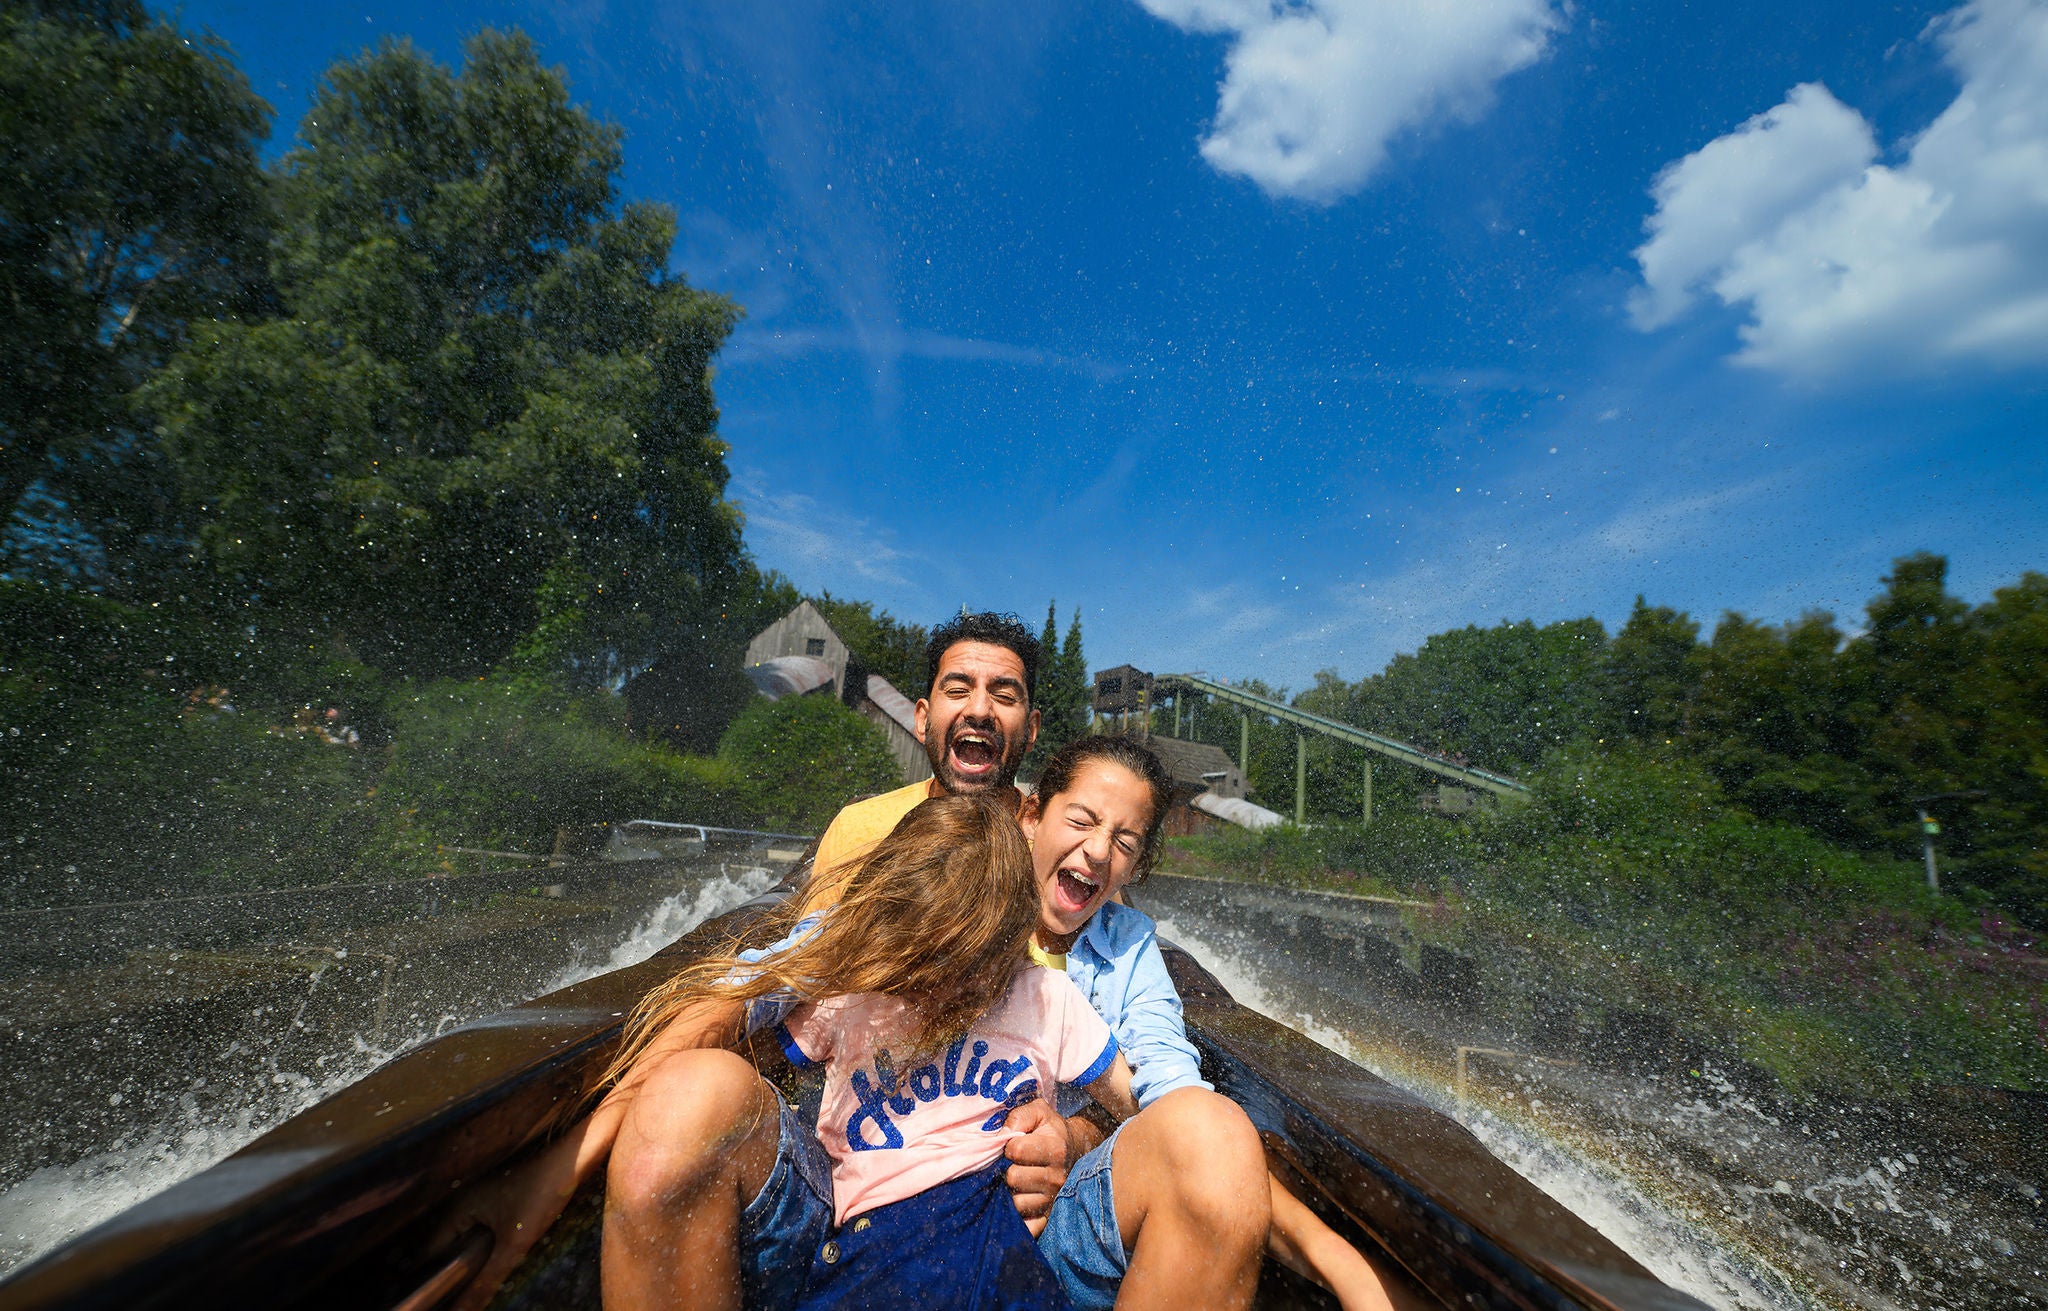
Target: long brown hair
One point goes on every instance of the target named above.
(938, 915)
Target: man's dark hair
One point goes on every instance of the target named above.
(1004, 630)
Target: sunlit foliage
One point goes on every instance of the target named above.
(485, 380)
(1801, 722)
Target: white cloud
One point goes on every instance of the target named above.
(1313, 90)
(1741, 187)
(1843, 263)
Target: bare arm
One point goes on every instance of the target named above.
(521, 1203)
(1112, 1090)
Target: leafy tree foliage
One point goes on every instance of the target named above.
(882, 643)
(131, 204)
(805, 757)
(488, 403)
(1077, 692)
(1651, 671)
(1795, 723)
(1065, 694)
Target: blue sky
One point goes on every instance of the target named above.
(1281, 337)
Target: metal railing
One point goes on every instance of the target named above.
(1472, 776)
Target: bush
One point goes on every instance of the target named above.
(1397, 854)
(506, 763)
(802, 758)
(1630, 874)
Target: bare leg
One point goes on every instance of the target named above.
(696, 1145)
(1306, 1245)
(1192, 1203)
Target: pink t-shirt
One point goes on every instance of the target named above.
(894, 1133)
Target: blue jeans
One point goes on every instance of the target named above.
(1081, 1241)
(788, 1220)
(958, 1245)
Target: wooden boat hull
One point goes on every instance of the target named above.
(340, 1205)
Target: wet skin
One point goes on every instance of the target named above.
(976, 721)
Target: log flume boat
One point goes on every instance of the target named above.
(342, 1206)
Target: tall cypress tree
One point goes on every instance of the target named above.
(1050, 670)
(1062, 688)
(1074, 670)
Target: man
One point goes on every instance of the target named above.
(681, 1197)
(976, 722)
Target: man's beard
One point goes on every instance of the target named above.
(1006, 761)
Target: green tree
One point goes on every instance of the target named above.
(487, 388)
(1502, 697)
(131, 203)
(1906, 682)
(1999, 836)
(804, 757)
(1651, 671)
(1064, 693)
(1768, 716)
(1073, 666)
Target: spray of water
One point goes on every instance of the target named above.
(57, 1202)
(1667, 1240)
(675, 916)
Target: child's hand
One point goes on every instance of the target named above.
(1039, 1158)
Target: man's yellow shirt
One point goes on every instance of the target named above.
(853, 833)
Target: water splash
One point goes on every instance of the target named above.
(59, 1202)
(213, 1119)
(678, 914)
(1664, 1238)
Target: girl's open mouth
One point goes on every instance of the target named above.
(1075, 889)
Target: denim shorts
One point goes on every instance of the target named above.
(1081, 1242)
(788, 1220)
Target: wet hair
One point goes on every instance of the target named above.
(1058, 775)
(937, 915)
(997, 629)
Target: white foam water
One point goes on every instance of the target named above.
(678, 914)
(1669, 1243)
(58, 1202)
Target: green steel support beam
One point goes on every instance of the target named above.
(1368, 790)
(1483, 779)
(1300, 778)
(1244, 746)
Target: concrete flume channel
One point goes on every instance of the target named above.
(142, 1045)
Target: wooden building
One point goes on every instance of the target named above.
(1122, 690)
(800, 655)
(802, 632)
(1198, 770)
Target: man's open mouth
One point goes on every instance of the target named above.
(975, 752)
(1075, 889)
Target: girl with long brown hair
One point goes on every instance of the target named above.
(915, 994)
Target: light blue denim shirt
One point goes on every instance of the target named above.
(1116, 964)
(767, 1012)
